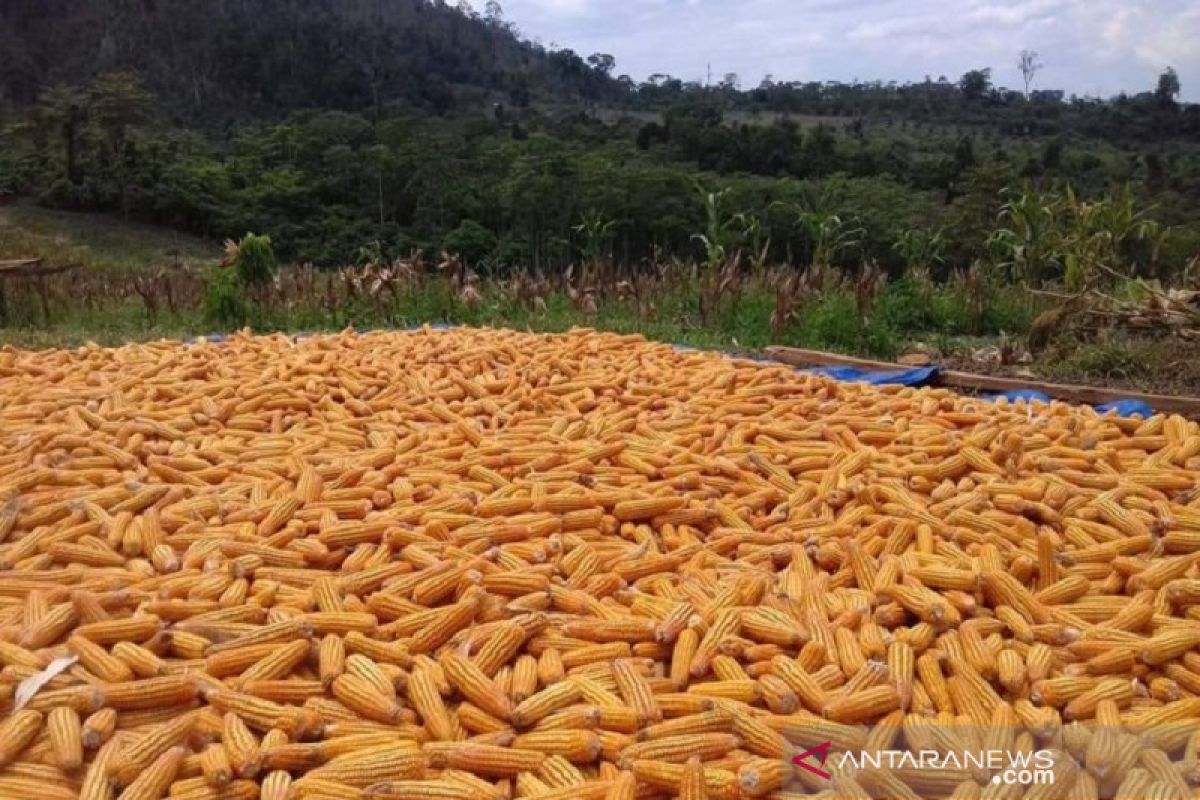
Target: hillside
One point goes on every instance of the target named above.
(225, 60)
(348, 129)
(98, 242)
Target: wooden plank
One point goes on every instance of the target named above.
(1090, 395)
(809, 358)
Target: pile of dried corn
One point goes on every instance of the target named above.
(482, 564)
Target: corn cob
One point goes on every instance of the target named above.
(16, 732)
(594, 584)
(66, 738)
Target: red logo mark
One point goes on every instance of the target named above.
(821, 751)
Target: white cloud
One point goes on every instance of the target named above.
(1089, 46)
(571, 8)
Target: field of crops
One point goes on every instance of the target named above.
(483, 564)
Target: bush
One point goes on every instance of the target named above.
(1008, 310)
(225, 303)
(68, 196)
(255, 261)
(830, 322)
(906, 307)
(470, 241)
(1106, 360)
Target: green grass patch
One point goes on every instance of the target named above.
(96, 241)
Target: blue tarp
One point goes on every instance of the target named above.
(920, 376)
(1127, 408)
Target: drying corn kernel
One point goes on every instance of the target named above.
(486, 564)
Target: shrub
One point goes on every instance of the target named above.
(831, 322)
(905, 306)
(254, 260)
(67, 195)
(470, 241)
(225, 303)
(1105, 360)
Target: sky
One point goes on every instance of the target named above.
(1088, 47)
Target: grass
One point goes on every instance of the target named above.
(1170, 367)
(96, 241)
(831, 322)
(902, 314)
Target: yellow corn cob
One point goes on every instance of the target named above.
(493, 760)
(580, 545)
(152, 782)
(474, 685)
(420, 790)
(579, 746)
(137, 756)
(241, 747)
(98, 728)
(361, 697)
(637, 692)
(720, 784)
(278, 662)
(677, 749)
(538, 706)
(66, 738)
(16, 732)
(365, 767)
(425, 698)
(130, 629)
(215, 765)
(691, 785)
(96, 785)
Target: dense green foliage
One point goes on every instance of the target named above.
(219, 61)
(225, 303)
(254, 260)
(401, 125)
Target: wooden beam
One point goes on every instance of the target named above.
(1090, 395)
(815, 358)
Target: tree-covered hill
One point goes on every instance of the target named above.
(340, 127)
(223, 60)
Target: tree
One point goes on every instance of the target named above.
(976, 84)
(63, 110)
(1168, 88)
(1030, 66)
(470, 241)
(117, 101)
(964, 154)
(602, 62)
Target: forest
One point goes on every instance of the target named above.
(373, 132)
(299, 121)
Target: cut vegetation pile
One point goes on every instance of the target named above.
(482, 564)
